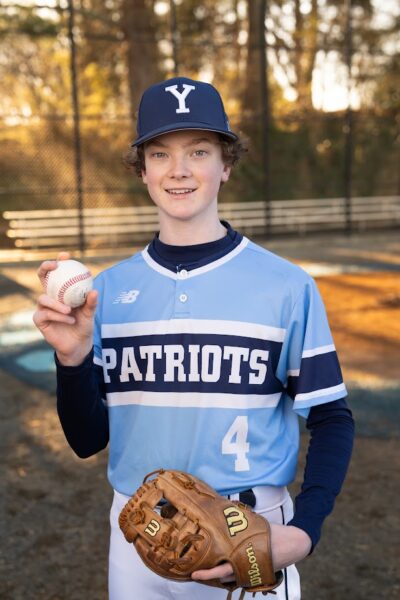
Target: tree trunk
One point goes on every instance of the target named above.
(251, 93)
(306, 40)
(139, 27)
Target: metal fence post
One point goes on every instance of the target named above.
(77, 131)
(174, 36)
(349, 124)
(265, 116)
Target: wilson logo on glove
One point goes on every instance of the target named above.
(153, 527)
(235, 519)
(254, 572)
(197, 529)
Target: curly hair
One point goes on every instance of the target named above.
(232, 151)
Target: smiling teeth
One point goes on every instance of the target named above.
(185, 191)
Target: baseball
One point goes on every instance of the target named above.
(69, 283)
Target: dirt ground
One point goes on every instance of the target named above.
(54, 516)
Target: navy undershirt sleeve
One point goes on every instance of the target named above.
(331, 427)
(81, 410)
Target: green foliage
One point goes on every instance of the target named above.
(121, 47)
(25, 19)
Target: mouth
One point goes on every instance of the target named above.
(180, 191)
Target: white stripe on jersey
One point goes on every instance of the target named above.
(293, 373)
(193, 400)
(251, 330)
(317, 351)
(194, 272)
(318, 393)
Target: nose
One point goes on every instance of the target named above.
(179, 168)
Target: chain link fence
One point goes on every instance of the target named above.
(66, 114)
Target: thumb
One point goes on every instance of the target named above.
(89, 308)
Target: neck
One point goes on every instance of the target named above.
(189, 234)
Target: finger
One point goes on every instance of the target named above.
(63, 256)
(50, 265)
(43, 317)
(220, 572)
(45, 301)
(45, 267)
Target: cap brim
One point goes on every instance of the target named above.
(181, 127)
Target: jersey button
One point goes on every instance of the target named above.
(183, 274)
(183, 297)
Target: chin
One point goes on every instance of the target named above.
(182, 211)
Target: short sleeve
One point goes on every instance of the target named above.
(308, 366)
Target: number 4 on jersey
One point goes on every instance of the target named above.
(235, 442)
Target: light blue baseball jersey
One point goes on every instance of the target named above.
(207, 371)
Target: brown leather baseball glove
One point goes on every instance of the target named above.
(195, 528)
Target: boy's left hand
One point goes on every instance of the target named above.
(289, 545)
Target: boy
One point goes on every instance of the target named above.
(199, 353)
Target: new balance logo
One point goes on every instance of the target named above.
(181, 96)
(127, 297)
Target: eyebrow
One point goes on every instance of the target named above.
(192, 142)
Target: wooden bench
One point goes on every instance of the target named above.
(114, 227)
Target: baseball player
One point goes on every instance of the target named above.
(200, 353)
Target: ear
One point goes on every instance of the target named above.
(226, 173)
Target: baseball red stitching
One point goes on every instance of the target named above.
(70, 282)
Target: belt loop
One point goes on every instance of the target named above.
(248, 497)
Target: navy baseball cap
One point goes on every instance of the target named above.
(181, 103)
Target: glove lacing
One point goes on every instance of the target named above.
(189, 539)
(242, 593)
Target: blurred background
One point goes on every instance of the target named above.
(314, 85)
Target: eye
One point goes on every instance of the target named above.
(200, 153)
(158, 154)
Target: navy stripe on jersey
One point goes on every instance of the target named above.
(318, 372)
(188, 362)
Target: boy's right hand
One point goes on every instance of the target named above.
(69, 331)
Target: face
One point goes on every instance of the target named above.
(184, 171)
